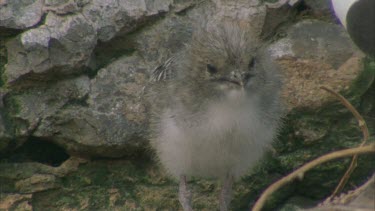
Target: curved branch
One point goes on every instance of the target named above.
(301, 171)
(365, 132)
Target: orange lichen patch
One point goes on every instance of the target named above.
(114, 196)
(304, 77)
(8, 201)
(156, 195)
(84, 203)
(132, 89)
(68, 166)
(36, 183)
(134, 111)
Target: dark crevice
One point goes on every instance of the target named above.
(302, 7)
(279, 19)
(3, 60)
(304, 11)
(106, 52)
(123, 44)
(38, 150)
(12, 32)
(82, 102)
(54, 75)
(41, 22)
(6, 33)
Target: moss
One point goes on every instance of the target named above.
(12, 124)
(3, 61)
(363, 81)
(109, 185)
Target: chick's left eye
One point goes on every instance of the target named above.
(211, 69)
(251, 63)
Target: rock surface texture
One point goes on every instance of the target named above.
(73, 79)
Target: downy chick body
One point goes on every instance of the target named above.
(215, 105)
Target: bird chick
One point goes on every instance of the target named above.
(215, 106)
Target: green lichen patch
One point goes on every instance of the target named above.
(3, 61)
(110, 185)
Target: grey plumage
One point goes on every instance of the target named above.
(215, 105)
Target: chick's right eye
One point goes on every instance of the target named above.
(211, 69)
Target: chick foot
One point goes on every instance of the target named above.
(226, 193)
(184, 195)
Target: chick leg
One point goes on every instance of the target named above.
(226, 193)
(184, 195)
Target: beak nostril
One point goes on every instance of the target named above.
(235, 75)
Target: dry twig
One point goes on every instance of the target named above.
(301, 171)
(363, 126)
(334, 155)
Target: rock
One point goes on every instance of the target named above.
(108, 116)
(29, 113)
(60, 46)
(112, 16)
(249, 12)
(35, 183)
(313, 54)
(63, 7)
(63, 44)
(20, 14)
(112, 121)
(173, 35)
(117, 90)
(31, 177)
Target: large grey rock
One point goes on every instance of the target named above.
(312, 54)
(61, 46)
(111, 121)
(63, 7)
(22, 14)
(252, 12)
(106, 116)
(114, 120)
(313, 39)
(111, 16)
(29, 108)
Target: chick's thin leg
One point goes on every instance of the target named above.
(226, 193)
(184, 195)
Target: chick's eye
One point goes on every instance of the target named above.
(211, 69)
(251, 63)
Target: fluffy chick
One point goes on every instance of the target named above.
(215, 106)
